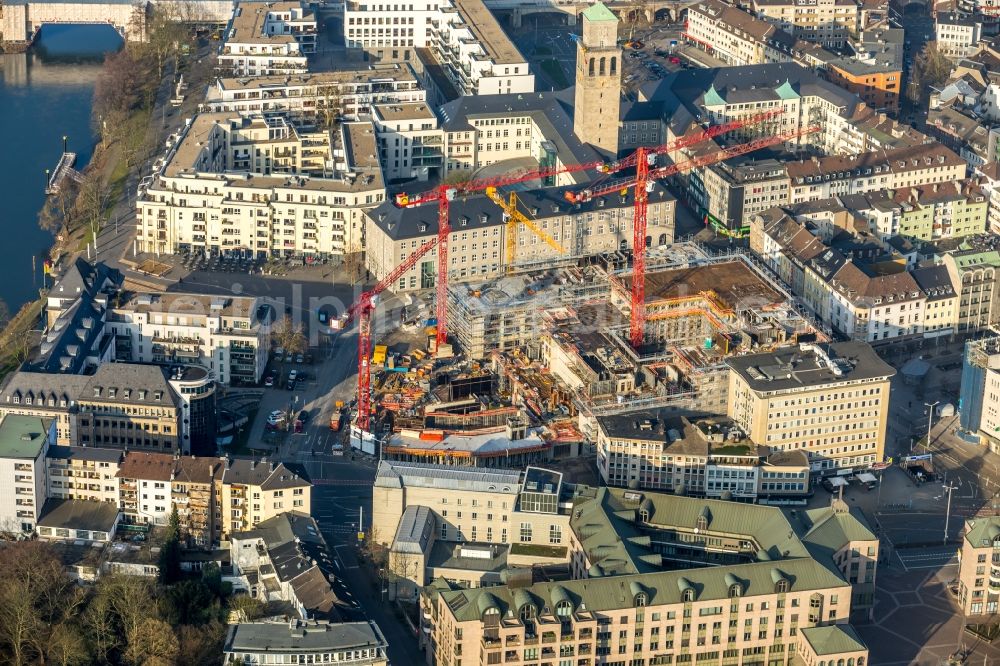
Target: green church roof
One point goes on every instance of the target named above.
(785, 91)
(713, 98)
(599, 12)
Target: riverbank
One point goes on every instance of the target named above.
(130, 100)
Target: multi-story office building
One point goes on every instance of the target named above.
(44, 395)
(322, 97)
(256, 490)
(979, 566)
(83, 473)
(974, 272)
(730, 193)
(767, 599)
(222, 334)
(131, 406)
(826, 22)
(460, 38)
(24, 443)
(957, 35)
(844, 125)
(445, 522)
(708, 457)
(409, 140)
(980, 391)
(265, 39)
(829, 400)
(261, 187)
(876, 80)
(479, 247)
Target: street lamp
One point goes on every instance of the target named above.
(930, 415)
(947, 511)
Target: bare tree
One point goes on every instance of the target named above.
(152, 642)
(93, 201)
(330, 105)
(102, 624)
(930, 69)
(289, 336)
(67, 646)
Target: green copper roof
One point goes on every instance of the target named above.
(833, 639)
(713, 98)
(971, 259)
(982, 532)
(22, 436)
(785, 91)
(599, 12)
(664, 587)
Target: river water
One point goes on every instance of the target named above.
(44, 95)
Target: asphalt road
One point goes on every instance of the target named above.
(341, 498)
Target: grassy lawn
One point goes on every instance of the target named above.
(554, 71)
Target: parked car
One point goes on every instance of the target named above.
(309, 359)
(674, 60)
(269, 380)
(299, 358)
(299, 426)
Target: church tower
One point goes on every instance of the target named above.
(598, 80)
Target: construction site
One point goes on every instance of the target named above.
(620, 327)
(535, 359)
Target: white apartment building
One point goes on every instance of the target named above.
(410, 142)
(83, 473)
(261, 187)
(221, 333)
(320, 96)
(957, 36)
(736, 37)
(268, 38)
(24, 442)
(826, 177)
(462, 36)
(708, 457)
(826, 22)
(830, 400)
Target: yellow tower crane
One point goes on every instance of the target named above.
(515, 217)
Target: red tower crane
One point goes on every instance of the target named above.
(443, 195)
(362, 309)
(642, 181)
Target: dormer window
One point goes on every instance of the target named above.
(781, 587)
(640, 600)
(735, 590)
(688, 595)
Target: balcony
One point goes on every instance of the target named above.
(490, 643)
